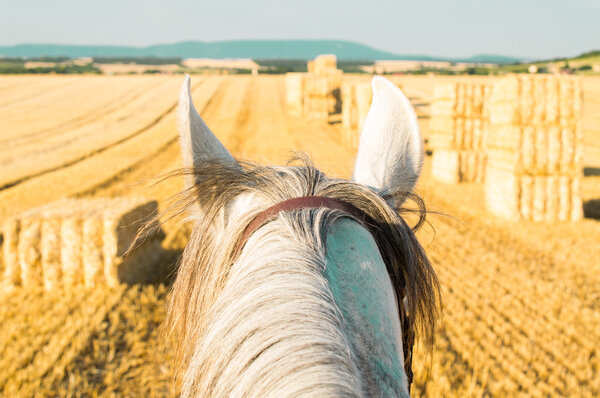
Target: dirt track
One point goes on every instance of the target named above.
(522, 300)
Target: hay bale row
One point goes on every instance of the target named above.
(534, 148)
(534, 198)
(552, 150)
(323, 65)
(460, 99)
(356, 101)
(454, 166)
(536, 101)
(294, 93)
(73, 242)
(322, 95)
(315, 94)
(457, 137)
(457, 133)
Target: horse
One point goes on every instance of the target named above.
(296, 284)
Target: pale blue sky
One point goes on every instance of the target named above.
(525, 28)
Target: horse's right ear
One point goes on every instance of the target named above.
(390, 153)
(198, 143)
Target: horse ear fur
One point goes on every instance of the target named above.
(198, 143)
(390, 153)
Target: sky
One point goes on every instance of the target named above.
(532, 29)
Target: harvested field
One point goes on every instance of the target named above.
(522, 299)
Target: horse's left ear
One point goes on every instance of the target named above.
(198, 143)
(390, 153)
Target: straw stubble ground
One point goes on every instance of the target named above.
(522, 303)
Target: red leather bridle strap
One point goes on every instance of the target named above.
(303, 202)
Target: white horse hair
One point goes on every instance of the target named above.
(310, 307)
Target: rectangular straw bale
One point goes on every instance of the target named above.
(440, 141)
(445, 166)
(479, 141)
(554, 149)
(92, 256)
(465, 173)
(349, 111)
(467, 136)
(526, 197)
(347, 92)
(28, 249)
(51, 259)
(71, 250)
(552, 110)
(481, 166)
(471, 166)
(460, 101)
(569, 143)
(541, 151)
(445, 91)
(294, 83)
(443, 107)
(527, 161)
(502, 193)
(443, 125)
(539, 199)
(504, 160)
(564, 198)
(538, 100)
(364, 96)
(567, 99)
(576, 201)
(552, 201)
(324, 64)
(12, 270)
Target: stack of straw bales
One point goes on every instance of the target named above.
(458, 124)
(356, 102)
(322, 65)
(315, 94)
(534, 148)
(322, 88)
(294, 86)
(73, 242)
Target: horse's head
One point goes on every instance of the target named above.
(306, 262)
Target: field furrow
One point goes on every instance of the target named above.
(43, 90)
(102, 102)
(97, 168)
(72, 146)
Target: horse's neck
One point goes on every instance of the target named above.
(364, 294)
(291, 321)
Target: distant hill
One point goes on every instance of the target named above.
(265, 49)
